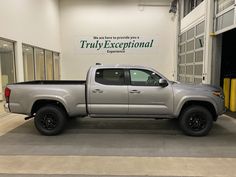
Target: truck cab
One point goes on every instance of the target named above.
(123, 91)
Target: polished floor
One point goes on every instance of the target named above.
(116, 147)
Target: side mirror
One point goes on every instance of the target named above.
(163, 82)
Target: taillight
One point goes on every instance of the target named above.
(7, 94)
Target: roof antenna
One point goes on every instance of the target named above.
(98, 64)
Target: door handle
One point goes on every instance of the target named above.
(97, 91)
(135, 91)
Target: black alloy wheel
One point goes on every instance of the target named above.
(196, 121)
(50, 120)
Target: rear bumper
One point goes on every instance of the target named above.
(6, 107)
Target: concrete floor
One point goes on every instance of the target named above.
(116, 147)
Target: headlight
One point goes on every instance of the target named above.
(219, 94)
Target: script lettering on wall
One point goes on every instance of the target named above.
(116, 44)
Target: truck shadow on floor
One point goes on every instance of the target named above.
(131, 137)
(115, 125)
(122, 126)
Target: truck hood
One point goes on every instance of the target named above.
(205, 87)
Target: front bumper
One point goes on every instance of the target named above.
(6, 107)
(221, 107)
(223, 111)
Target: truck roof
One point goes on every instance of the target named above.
(121, 66)
(97, 66)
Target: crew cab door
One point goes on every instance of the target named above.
(146, 96)
(108, 92)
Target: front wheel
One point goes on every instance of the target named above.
(196, 121)
(50, 120)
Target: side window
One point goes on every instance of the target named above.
(144, 78)
(110, 76)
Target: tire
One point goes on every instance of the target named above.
(50, 120)
(196, 121)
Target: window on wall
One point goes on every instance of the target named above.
(189, 5)
(225, 20)
(40, 64)
(225, 14)
(49, 65)
(28, 62)
(191, 48)
(7, 64)
(223, 4)
(56, 68)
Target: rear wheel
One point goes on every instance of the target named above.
(50, 120)
(196, 121)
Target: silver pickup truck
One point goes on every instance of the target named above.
(116, 91)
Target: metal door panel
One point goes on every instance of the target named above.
(108, 99)
(150, 100)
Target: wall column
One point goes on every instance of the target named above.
(207, 71)
(19, 62)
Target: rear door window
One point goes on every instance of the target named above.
(110, 76)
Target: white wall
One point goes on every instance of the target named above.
(31, 21)
(34, 22)
(112, 18)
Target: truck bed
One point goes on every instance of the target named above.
(52, 82)
(69, 93)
